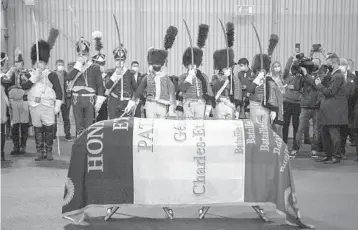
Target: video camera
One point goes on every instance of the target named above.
(305, 62)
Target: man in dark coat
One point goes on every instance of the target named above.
(349, 82)
(333, 113)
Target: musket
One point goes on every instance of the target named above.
(77, 26)
(261, 59)
(192, 54)
(108, 91)
(227, 51)
(36, 38)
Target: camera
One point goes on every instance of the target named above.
(305, 62)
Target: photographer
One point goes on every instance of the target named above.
(309, 105)
(333, 111)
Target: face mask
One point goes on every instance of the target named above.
(135, 69)
(330, 68)
(41, 65)
(102, 69)
(277, 69)
(60, 68)
(18, 65)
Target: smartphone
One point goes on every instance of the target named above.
(298, 48)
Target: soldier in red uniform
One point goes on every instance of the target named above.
(226, 85)
(160, 100)
(86, 86)
(194, 85)
(44, 97)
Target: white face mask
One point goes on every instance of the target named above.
(102, 68)
(60, 68)
(277, 69)
(135, 69)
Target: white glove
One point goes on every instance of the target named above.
(99, 102)
(130, 106)
(171, 112)
(208, 109)
(273, 115)
(35, 76)
(115, 77)
(227, 72)
(58, 104)
(259, 79)
(237, 115)
(191, 76)
(78, 66)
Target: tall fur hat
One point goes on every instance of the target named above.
(44, 47)
(18, 55)
(220, 56)
(120, 53)
(256, 62)
(99, 57)
(198, 52)
(157, 57)
(83, 46)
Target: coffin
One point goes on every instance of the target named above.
(168, 163)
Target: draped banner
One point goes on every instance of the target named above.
(157, 162)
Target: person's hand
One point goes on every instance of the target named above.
(304, 71)
(259, 79)
(227, 72)
(208, 109)
(130, 106)
(273, 115)
(317, 81)
(119, 71)
(290, 87)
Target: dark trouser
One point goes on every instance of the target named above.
(290, 110)
(306, 135)
(345, 131)
(319, 139)
(304, 122)
(331, 136)
(3, 137)
(138, 112)
(83, 111)
(103, 112)
(116, 107)
(20, 132)
(355, 135)
(65, 112)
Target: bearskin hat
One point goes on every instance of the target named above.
(256, 62)
(18, 55)
(83, 46)
(158, 57)
(198, 53)
(98, 58)
(44, 47)
(220, 56)
(120, 53)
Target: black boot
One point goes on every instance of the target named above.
(3, 137)
(24, 135)
(48, 141)
(39, 140)
(54, 131)
(16, 139)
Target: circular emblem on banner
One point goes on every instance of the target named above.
(69, 191)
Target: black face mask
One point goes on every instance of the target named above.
(330, 68)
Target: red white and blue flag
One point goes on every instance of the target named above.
(158, 162)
